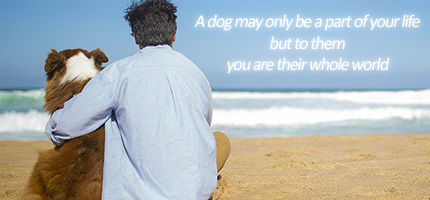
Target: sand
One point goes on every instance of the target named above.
(314, 167)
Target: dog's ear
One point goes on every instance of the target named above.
(99, 56)
(54, 61)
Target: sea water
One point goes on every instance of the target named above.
(264, 113)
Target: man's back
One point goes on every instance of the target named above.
(159, 144)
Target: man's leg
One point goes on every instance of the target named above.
(223, 149)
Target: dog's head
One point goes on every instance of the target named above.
(67, 72)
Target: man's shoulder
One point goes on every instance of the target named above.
(114, 69)
(185, 60)
(122, 62)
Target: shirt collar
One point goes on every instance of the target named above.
(148, 48)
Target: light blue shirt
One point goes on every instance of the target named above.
(157, 108)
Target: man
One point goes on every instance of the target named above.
(157, 108)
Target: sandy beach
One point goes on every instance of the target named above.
(314, 167)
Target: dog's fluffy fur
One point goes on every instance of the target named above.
(74, 170)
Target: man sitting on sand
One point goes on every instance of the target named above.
(157, 108)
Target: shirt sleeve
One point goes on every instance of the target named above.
(84, 113)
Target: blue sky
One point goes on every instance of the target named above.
(29, 29)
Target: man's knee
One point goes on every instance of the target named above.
(223, 149)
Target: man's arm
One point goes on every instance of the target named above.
(210, 109)
(84, 113)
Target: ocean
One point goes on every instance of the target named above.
(264, 113)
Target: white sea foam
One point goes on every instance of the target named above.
(35, 121)
(32, 121)
(36, 94)
(420, 97)
(280, 116)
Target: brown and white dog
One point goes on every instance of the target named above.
(74, 170)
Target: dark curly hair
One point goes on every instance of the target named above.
(153, 22)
